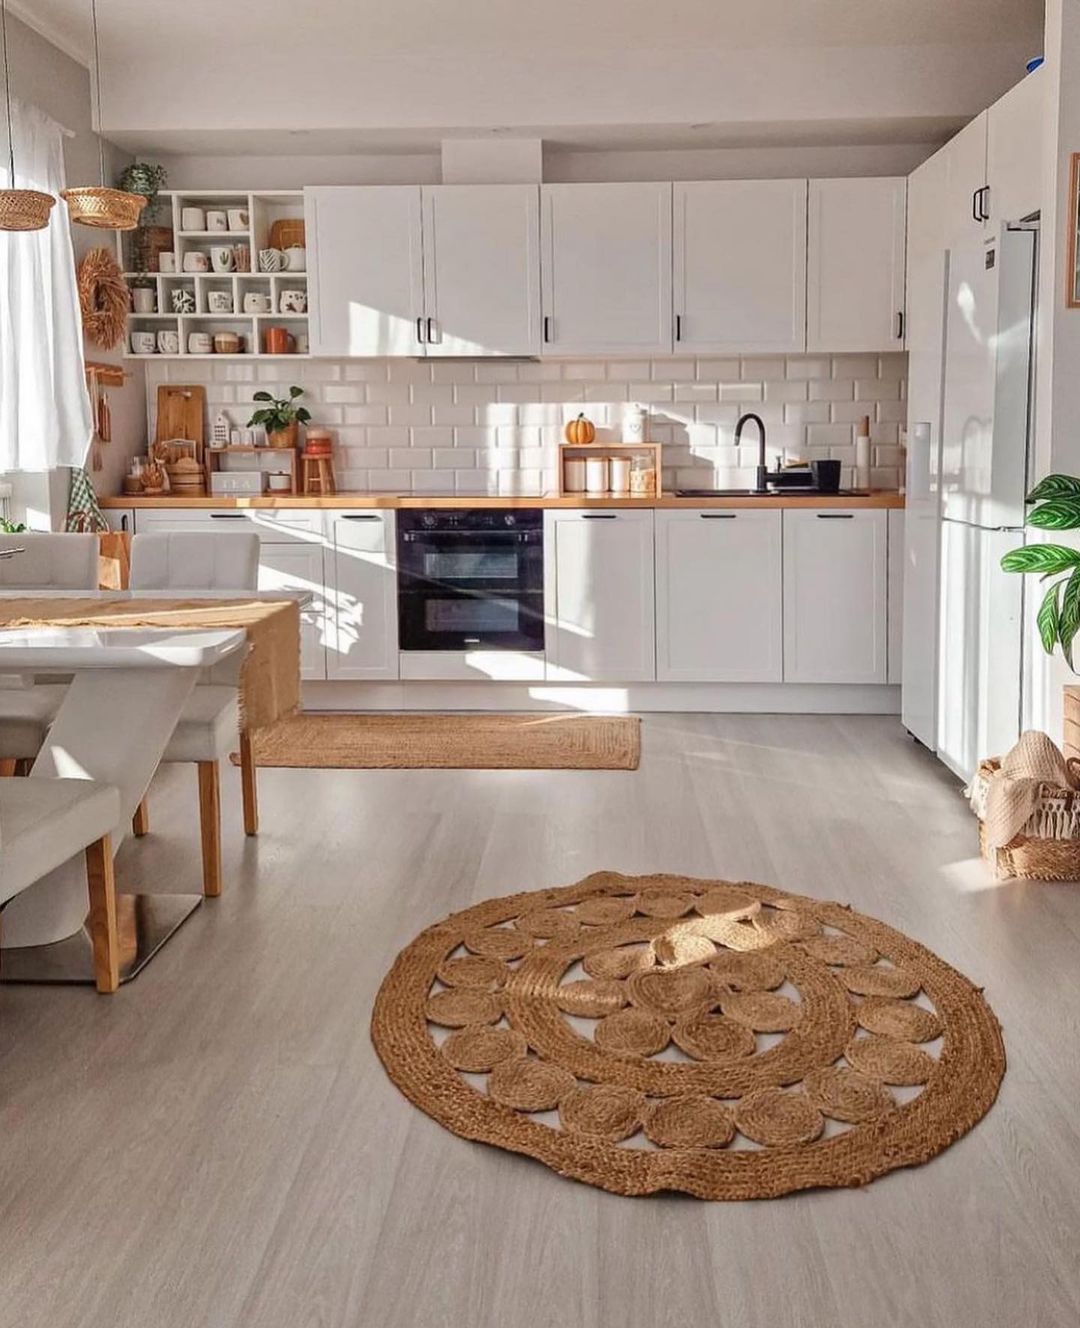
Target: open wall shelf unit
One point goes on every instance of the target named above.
(263, 209)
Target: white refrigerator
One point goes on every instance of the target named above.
(986, 430)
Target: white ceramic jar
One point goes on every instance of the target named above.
(635, 419)
(620, 475)
(596, 475)
(574, 474)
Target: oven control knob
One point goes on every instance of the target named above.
(429, 520)
(509, 519)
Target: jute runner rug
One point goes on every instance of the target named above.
(662, 1033)
(342, 741)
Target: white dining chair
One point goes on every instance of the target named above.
(45, 561)
(43, 823)
(209, 727)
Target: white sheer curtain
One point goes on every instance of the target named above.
(44, 407)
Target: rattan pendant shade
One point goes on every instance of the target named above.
(96, 204)
(20, 209)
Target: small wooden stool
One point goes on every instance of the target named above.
(317, 474)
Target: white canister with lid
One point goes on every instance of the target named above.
(635, 419)
(574, 474)
(596, 474)
(620, 475)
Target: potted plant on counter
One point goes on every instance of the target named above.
(281, 417)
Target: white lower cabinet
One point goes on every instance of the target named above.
(835, 596)
(598, 596)
(361, 593)
(299, 566)
(896, 597)
(719, 596)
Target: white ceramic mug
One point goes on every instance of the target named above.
(220, 302)
(217, 221)
(256, 302)
(196, 262)
(200, 343)
(168, 342)
(192, 219)
(222, 258)
(272, 260)
(301, 343)
(296, 258)
(167, 261)
(238, 219)
(183, 300)
(143, 343)
(292, 302)
(144, 300)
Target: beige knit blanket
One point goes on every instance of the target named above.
(1013, 792)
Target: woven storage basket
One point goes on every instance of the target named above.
(108, 209)
(24, 209)
(1034, 857)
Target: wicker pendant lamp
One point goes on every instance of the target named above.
(97, 204)
(20, 209)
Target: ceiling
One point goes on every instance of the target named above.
(131, 28)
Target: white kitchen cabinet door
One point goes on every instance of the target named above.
(361, 593)
(855, 283)
(299, 566)
(965, 162)
(719, 606)
(895, 670)
(598, 596)
(740, 266)
(1015, 138)
(365, 270)
(482, 269)
(606, 268)
(835, 596)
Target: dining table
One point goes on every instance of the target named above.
(133, 660)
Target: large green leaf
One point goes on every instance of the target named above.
(1069, 623)
(1041, 558)
(1056, 514)
(1055, 486)
(1049, 619)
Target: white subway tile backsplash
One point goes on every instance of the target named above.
(493, 426)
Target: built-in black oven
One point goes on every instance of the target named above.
(470, 578)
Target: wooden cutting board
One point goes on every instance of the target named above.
(181, 413)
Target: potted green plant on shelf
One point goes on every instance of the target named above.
(1057, 507)
(148, 240)
(281, 418)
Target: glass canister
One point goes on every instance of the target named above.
(620, 475)
(642, 477)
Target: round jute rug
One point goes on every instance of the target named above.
(662, 1033)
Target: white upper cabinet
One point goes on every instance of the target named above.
(965, 188)
(719, 606)
(366, 268)
(835, 596)
(1015, 136)
(598, 596)
(482, 269)
(606, 265)
(855, 295)
(740, 266)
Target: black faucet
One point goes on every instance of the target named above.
(762, 483)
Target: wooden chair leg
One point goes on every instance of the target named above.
(102, 888)
(140, 822)
(210, 826)
(248, 786)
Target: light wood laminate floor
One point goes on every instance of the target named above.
(218, 1145)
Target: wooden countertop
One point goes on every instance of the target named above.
(878, 499)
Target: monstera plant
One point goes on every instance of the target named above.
(1056, 502)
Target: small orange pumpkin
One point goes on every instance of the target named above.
(580, 432)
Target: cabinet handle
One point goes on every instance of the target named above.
(547, 327)
(900, 325)
(984, 202)
(598, 516)
(976, 214)
(124, 522)
(835, 516)
(432, 338)
(363, 517)
(228, 516)
(420, 330)
(718, 516)
(678, 327)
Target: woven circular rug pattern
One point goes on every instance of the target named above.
(725, 1039)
